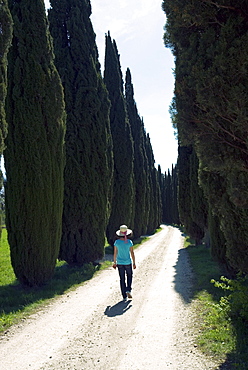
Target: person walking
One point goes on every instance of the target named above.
(123, 252)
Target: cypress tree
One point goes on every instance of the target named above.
(158, 219)
(185, 198)
(34, 157)
(217, 239)
(5, 41)
(175, 213)
(140, 159)
(184, 195)
(199, 204)
(169, 194)
(148, 179)
(150, 195)
(89, 162)
(162, 182)
(167, 198)
(154, 198)
(123, 191)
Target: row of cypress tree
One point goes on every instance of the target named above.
(208, 40)
(78, 160)
(169, 193)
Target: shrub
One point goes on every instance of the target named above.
(236, 300)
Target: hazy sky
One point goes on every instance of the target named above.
(137, 28)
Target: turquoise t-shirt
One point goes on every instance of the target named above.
(123, 251)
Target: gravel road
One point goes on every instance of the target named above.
(92, 328)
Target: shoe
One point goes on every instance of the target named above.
(129, 295)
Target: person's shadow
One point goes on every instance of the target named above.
(118, 309)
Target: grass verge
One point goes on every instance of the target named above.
(221, 334)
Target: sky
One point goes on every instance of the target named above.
(137, 26)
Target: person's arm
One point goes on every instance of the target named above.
(133, 257)
(115, 256)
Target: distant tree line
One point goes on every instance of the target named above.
(169, 194)
(78, 160)
(209, 109)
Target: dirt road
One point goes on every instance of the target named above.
(92, 328)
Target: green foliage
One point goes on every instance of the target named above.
(217, 239)
(236, 302)
(169, 194)
(165, 186)
(89, 156)
(122, 206)
(154, 198)
(34, 157)
(184, 199)
(140, 161)
(232, 221)
(5, 42)
(210, 107)
(199, 205)
(191, 202)
(175, 212)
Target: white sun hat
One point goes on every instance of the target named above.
(124, 231)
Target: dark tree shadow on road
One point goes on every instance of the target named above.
(184, 278)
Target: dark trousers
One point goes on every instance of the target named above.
(126, 276)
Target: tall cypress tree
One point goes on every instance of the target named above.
(169, 197)
(169, 194)
(155, 214)
(34, 157)
(148, 179)
(5, 41)
(123, 193)
(157, 191)
(184, 193)
(140, 159)
(175, 212)
(89, 162)
(199, 204)
(162, 182)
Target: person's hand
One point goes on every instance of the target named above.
(134, 266)
(114, 265)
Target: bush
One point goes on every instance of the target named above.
(236, 300)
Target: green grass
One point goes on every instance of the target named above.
(221, 334)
